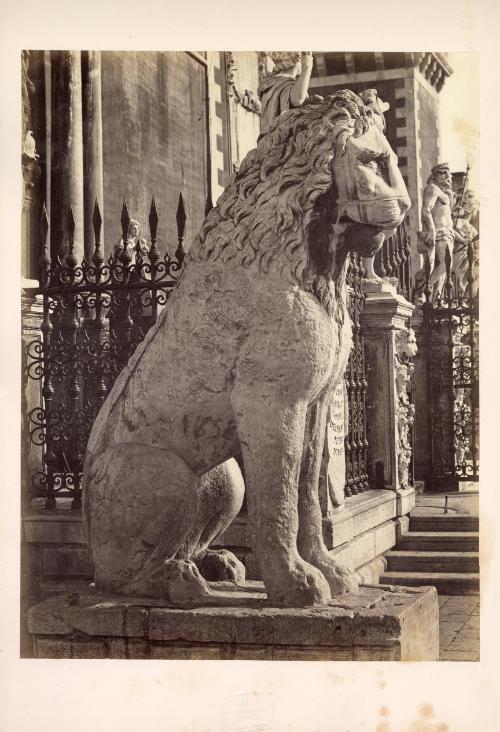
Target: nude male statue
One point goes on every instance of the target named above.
(437, 233)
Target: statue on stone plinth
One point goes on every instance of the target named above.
(437, 233)
(465, 233)
(286, 86)
(244, 358)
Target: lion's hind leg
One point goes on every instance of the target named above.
(220, 497)
(140, 502)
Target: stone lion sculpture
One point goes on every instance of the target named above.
(244, 358)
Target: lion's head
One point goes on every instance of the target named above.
(322, 181)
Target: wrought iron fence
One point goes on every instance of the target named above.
(451, 325)
(356, 444)
(393, 260)
(94, 316)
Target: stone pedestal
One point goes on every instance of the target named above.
(378, 623)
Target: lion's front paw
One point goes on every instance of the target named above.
(221, 565)
(303, 586)
(340, 579)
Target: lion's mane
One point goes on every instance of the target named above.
(279, 213)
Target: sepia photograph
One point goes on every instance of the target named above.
(247, 406)
(250, 326)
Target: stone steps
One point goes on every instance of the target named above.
(446, 583)
(429, 561)
(446, 522)
(440, 541)
(440, 550)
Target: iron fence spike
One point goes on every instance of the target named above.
(181, 216)
(125, 220)
(97, 222)
(153, 219)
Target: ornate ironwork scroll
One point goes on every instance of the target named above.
(452, 336)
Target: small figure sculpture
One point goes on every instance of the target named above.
(437, 233)
(406, 348)
(287, 85)
(375, 109)
(29, 147)
(244, 358)
(135, 244)
(462, 422)
(466, 233)
(132, 256)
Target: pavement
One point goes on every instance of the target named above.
(459, 628)
(436, 504)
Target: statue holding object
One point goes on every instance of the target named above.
(286, 87)
(466, 234)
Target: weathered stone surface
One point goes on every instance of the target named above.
(67, 561)
(405, 501)
(73, 613)
(53, 529)
(244, 358)
(374, 511)
(374, 623)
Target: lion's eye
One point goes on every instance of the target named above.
(378, 163)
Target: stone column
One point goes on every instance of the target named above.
(92, 139)
(385, 320)
(67, 151)
(29, 239)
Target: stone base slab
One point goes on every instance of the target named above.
(377, 623)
